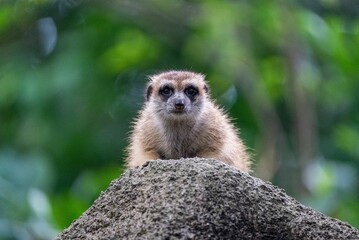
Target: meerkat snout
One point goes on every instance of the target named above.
(179, 104)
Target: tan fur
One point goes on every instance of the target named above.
(204, 132)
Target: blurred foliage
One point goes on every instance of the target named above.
(72, 77)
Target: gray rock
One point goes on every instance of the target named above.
(200, 199)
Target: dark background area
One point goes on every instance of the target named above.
(72, 77)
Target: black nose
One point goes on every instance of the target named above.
(179, 104)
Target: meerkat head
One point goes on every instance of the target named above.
(177, 94)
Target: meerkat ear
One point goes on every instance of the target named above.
(206, 89)
(149, 92)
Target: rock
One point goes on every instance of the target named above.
(200, 199)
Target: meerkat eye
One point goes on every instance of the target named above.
(166, 91)
(191, 91)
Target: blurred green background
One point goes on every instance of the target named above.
(72, 77)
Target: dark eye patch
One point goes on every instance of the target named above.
(166, 91)
(191, 91)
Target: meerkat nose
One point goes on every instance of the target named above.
(179, 104)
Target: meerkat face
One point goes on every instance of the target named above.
(177, 94)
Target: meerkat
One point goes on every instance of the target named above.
(180, 120)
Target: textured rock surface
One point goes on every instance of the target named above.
(200, 199)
